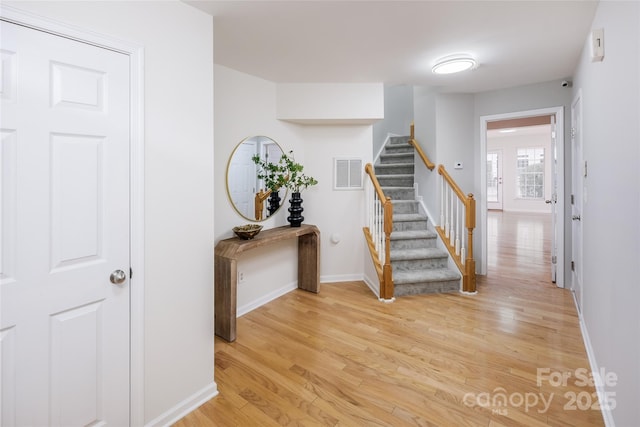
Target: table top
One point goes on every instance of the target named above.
(230, 248)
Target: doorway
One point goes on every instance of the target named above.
(527, 187)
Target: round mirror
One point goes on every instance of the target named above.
(246, 191)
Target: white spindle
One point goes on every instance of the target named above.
(369, 205)
(446, 212)
(442, 190)
(457, 240)
(451, 222)
(375, 223)
(380, 231)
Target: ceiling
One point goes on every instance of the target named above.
(397, 42)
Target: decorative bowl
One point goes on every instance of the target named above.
(247, 232)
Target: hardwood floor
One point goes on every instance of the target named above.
(342, 358)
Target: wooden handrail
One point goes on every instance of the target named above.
(376, 185)
(442, 171)
(412, 140)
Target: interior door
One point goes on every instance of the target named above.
(577, 198)
(553, 200)
(64, 281)
(494, 179)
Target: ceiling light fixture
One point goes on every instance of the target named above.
(454, 64)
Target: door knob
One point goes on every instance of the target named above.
(576, 217)
(547, 202)
(118, 277)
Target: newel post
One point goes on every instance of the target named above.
(387, 288)
(469, 281)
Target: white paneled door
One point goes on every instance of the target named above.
(64, 254)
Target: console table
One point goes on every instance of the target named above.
(226, 270)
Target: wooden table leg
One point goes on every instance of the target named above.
(225, 287)
(309, 262)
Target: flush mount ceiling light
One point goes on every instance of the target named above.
(454, 64)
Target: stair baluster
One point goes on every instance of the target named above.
(460, 248)
(378, 234)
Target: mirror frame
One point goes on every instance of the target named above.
(258, 196)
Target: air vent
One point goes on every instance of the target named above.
(347, 174)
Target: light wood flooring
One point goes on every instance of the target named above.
(342, 358)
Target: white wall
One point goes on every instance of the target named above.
(508, 145)
(246, 106)
(611, 231)
(424, 110)
(398, 114)
(336, 212)
(178, 107)
(455, 136)
(444, 129)
(338, 103)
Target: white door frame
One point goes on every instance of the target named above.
(560, 141)
(577, 188)
(136, 202)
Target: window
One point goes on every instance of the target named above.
(530, 173)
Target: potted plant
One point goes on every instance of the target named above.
(296, 181)
(289, 174)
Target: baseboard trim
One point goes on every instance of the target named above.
(183, 408)
(266, 298)
(600, 390)
(340, 278)
(373, 285)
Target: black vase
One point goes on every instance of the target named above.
(274, 202)
(296, 218)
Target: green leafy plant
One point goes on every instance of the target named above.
(286, 173)
(273, 174)
(296, 180)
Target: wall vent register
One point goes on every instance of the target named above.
(347, 174)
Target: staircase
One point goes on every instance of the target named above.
(419, 267)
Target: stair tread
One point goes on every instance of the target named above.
(416, 254)
(382, 165)
(413, 234)
(395, 187)
(428, 275)
(410, 217)
(396, 154)
(395, 140)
